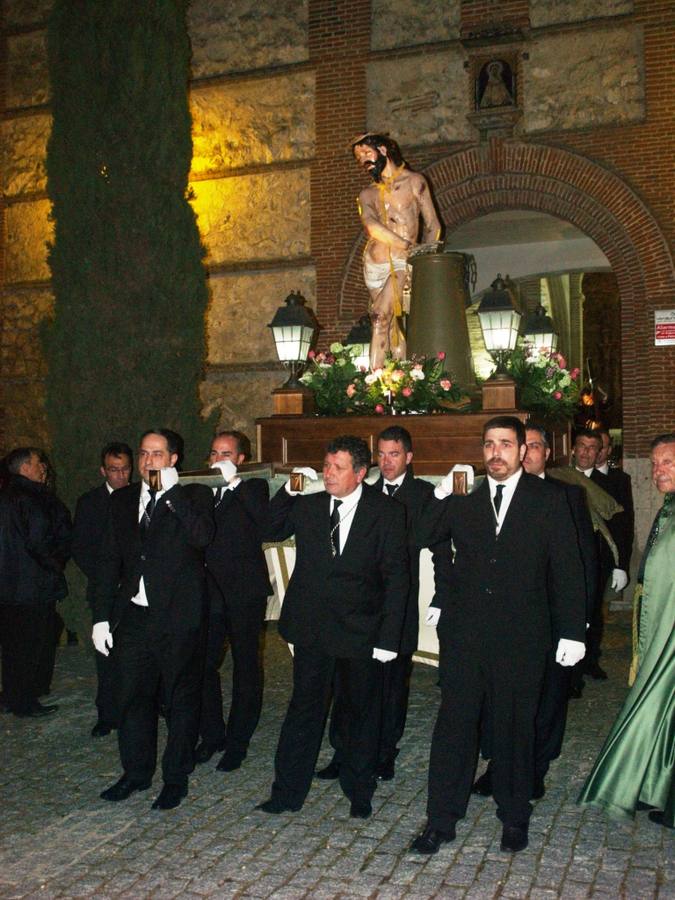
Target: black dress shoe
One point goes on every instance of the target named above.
(231, 760)
(360, 809)
(276, 805)
(483, 785)
(385, 770)
(514, 838)
(657, 817)
(170, 796)
(205, 751)
(596, 671)
(329, 772)
(100, 729)
(124, 788)
(429, 841)
(539, 788)
(35, 711)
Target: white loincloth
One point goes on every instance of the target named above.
(375, 274)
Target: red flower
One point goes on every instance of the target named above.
(557, 395)
(311, 354)
(441, 355)
(445, 383)
(379, 409)
(407, 392)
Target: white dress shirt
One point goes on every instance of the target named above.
(507, 495)
(141, 598)
(346, 509)
(397, 481)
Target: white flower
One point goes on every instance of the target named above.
(336, 348)
(371, 378)
(417, 374)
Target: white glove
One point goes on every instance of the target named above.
(444, 489)
(291, 647)
(309, 473)
(569, 653)
(169, 477)
(619, 580)
(432, 616)
(383, 656)
(102, 637)
(227, 469)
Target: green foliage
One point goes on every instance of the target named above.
(545, 387)
(406, 386)
(127, 344)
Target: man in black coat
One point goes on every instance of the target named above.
(238, 587)
(91, 516)
(31, 581)
(343, 611)
(394, 459)
(620, 487)
(149, 610)
(516, 569)
(552, 711)
(587, 449)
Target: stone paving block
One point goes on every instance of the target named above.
(573, 890)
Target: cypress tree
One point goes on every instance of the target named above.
(125, 349)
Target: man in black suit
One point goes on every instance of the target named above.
(620, 487)
(343, 612)
(552, 711)
(587, 448)
(149, 609)
(516, 568)
(91, 515)
(394, 459)
(238, 587)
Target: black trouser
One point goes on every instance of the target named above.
(47, 658)
(597, 624)
(551, 718)
(241, 624)
(395, 691)
(473, 680)
(147, 662)
(105, 703)
(302, 730)
(24, 633)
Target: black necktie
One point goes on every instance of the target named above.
(219, 496)
(335, 528)
(391, 489)
(147, 512)
(498, 498)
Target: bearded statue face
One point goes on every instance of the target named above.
(371, 159)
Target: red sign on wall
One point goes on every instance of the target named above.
(664, 327)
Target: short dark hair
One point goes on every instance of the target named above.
(117, 448)
(381, 140)
(20, 455)
(588, 433)
(510, 422)
(243, 443)
(174, 441)
(541, 431)
(399, 434)
(357, 448)
(668, 438)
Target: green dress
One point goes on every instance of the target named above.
(637, 761)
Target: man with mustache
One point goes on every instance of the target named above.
(516, 568)
(390, 210)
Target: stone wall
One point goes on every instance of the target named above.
(556, 12)
(399, 23)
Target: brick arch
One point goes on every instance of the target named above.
(512, 175)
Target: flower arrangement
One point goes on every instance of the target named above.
(404, 386)
(547, 388)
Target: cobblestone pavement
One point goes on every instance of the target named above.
(57, 839)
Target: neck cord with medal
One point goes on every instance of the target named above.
(333, 548)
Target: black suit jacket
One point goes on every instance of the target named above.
(622, 526)
(91, 516)
(503, 592)
(348, 604)
(235, 557)
(414, 494)
(170, 558)
(576, 499)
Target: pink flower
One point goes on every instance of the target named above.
(562, 362)
(407, 392)
(311, 354)
(351, 390)
(445, 383)
(557, 395)
(441, 355)
(574, 374)
(379, 409)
